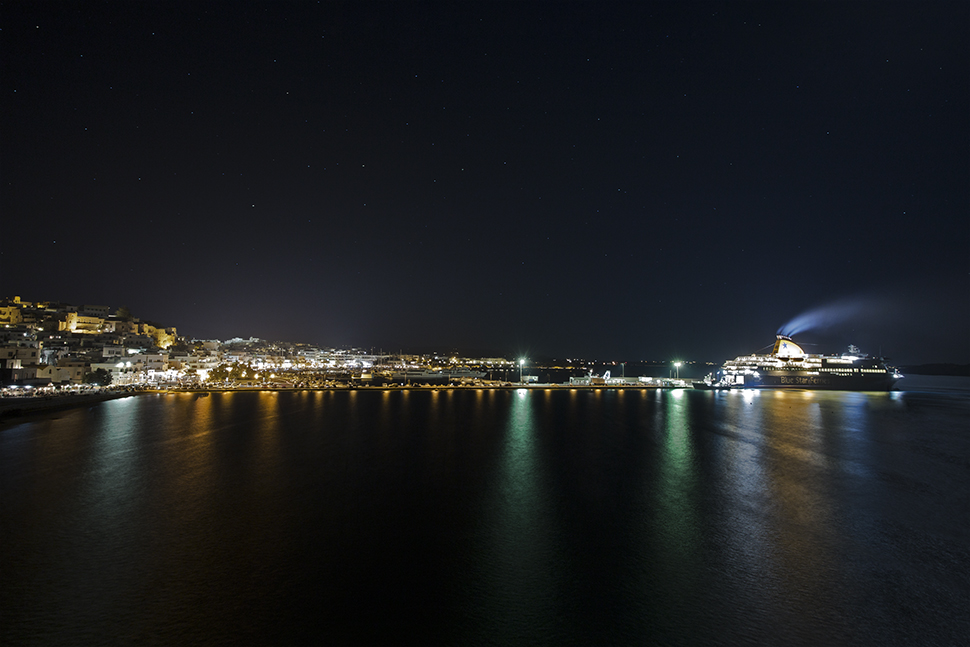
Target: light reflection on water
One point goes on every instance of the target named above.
(678, 504)
(517, 574)
(524, 516)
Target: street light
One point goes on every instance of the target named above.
(521, 363)
(677, 366)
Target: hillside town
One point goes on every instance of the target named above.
(55, 346)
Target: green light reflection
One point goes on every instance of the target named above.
(520, 579)
(678, 498)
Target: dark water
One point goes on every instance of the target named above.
(491, 517)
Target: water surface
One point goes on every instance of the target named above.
(491, 517)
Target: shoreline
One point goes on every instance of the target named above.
(13, 409)
(415, 387)
(427, 387)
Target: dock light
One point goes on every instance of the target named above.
(677, 366)
(521, 364)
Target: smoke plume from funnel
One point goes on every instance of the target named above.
(918, 321)
(843, 311)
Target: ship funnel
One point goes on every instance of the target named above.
(785, 347)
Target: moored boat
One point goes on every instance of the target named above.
(435, 375)
(418, 375)
(710, 384)
(464, 374)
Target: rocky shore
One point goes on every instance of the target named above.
(13, 408)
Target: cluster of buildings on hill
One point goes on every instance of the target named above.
(49, 343)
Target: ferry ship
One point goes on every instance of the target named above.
(788, 366)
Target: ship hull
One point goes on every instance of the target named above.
(419, 377)
(789, 380)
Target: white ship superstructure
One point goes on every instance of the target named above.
(788, 366)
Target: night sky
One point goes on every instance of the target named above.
(608, 181)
